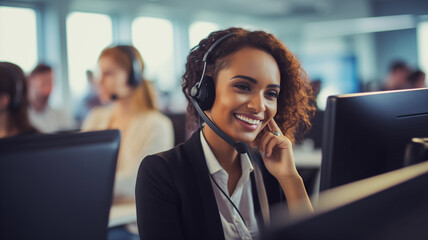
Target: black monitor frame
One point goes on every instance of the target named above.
(365, 134)
(389, 206)
(57, 186)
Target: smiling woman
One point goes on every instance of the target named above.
(245, 103)
(295, 90)
(250, 90)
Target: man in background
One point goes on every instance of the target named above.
(396, 79)
(417, 79)
(42, 116)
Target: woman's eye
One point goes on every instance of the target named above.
(242, 87)
(272, 94)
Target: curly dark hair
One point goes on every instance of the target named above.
(294, 108)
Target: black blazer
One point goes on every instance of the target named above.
(175, 199)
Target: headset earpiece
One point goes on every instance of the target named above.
(204, 94)
(135, 73)
(204, 91)
(15, 102)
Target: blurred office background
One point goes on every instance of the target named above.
(346, 44)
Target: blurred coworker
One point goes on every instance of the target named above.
(416, 79)
(397, 76)
(144, 129)
(89, 101)
(315, 132)
(13, 102)
(42, 116)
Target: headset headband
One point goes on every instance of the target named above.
(136, 65)
(206, 55)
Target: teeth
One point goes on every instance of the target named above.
(248, 120)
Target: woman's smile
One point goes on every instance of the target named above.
(248, 122)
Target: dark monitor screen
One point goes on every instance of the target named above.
(57, 186)
(365, 134)
(391, 206)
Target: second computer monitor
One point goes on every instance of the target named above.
(57, 186)
(390, 206)
(365, 134)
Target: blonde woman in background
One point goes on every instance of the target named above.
(144, 129)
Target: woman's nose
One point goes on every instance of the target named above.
(99, 80)
(257, 103)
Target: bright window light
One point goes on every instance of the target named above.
(200, 30)
(253, 27)
(18, 37)
(87, 35)
(423, 46)
(153, 37)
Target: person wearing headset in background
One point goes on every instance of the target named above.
(144, 130)
(250, 90)
(14, 119)
(47, 119)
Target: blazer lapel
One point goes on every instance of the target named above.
(261, 204)
(199, 166)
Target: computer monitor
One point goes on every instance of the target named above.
(390, 206)
(365, 134)
(57, 186)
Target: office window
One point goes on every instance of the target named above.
(87, 35)
(423, 46)
(18, 37)
(337, 73)
(199, 31)
(153, 37)
(253, 27)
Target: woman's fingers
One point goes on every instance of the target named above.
(270, 132)
(267, 143)
(274, 127)
(270, 144)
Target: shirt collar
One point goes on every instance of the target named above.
(214, 166)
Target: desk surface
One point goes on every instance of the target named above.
(305, 157)
(122, 214)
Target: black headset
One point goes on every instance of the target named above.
(135, 73)
(18, 85)
(17, 98)
(202, 95)
(204, 91)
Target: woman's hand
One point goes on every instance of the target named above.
(277, 153)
